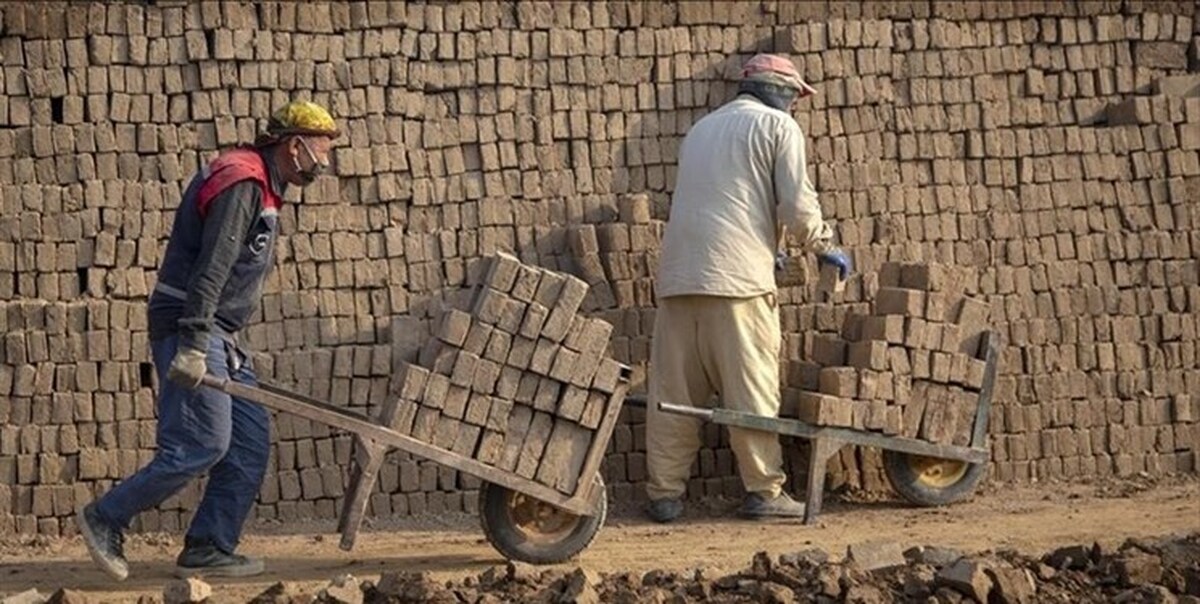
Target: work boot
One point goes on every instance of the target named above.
(206, 559)
(104, 542)
(665, 510)
(757, 505)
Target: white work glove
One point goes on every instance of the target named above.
(188, 368)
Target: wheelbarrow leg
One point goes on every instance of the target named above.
(368, 458)
(819, 453)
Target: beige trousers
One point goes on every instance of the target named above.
(705, 346)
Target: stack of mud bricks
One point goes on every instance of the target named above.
(911, 368)
(1051, 146)
(520, 383)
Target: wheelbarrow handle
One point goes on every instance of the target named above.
(213, 381)
(704, 414)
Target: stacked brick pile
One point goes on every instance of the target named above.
(1050, 146)
(912, 367)
(520, 383)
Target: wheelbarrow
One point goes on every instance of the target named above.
(923, 473)
(523, 519)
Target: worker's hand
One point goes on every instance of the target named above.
(188, 368)
(780, 259)
(837, 257)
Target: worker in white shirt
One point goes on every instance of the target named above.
(742, 179)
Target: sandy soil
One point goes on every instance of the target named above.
(1031, 519)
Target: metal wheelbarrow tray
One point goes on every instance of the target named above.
(922, 472)
(523, 519)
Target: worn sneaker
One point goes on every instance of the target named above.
(208, 560)
(104, 542)
(665, 510)
(782, 506)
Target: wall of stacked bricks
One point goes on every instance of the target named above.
(1037, 142)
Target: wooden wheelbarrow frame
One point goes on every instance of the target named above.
(826, 441)
(372, 441)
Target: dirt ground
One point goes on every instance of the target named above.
(1028, 519)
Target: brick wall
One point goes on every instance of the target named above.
(1050, 146)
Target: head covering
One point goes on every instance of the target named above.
(777, 70)
(298, 118)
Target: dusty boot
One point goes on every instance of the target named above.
(206, 559)
(665, 510)
(105, 543)
(782, 506)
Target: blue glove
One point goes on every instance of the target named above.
(837, 257)
(780, 258)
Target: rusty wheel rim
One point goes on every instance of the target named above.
(936, 472)
(538, 521)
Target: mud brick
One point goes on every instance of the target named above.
(498, 413)
(514, 437)
(593, 412)
(829, 281)
(919, 360)
(502, 272)
(489, 305)
(972, 314)
(565, 364)
(634, 208)
(897, 360)
(543, 356)
(535, 444)
(951, 338)
(498, 346)
(477, 338)
(526, 284)
(565, 453)
(506, 385)
(446, 432)
(890, 274)
(454, 327)
(828, 351)
(512, 316)
(805, 375)
(958, 368)
(486, 374)
(436, 388)
(914, 411)
(867, 354)
(549, 288)
(546, 397)
(607, 377)
(916, 332)
(411, 381)
(491, 447)
(582, 240)
(866, 385)
(425, 424)
(465, 364)
(437, 356)
(859, 410)
(521, 353)
(926, 277)
(478, 408)
(839, 381)
(888, 328)
(937, 307)
(527, 388)
(572, 403)
(824, 410)
(894, 420)
(899, 301)
(455, 404)
(940, 367)
(1181, 408)
(564, 309)
(535, 318)
(876, 419)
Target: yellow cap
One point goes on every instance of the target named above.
(301, 118)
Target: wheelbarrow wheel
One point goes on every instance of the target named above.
(530, 530)
(931, 481)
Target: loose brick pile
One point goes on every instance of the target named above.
(911, 368)
(520, 383)
(1051, 147)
